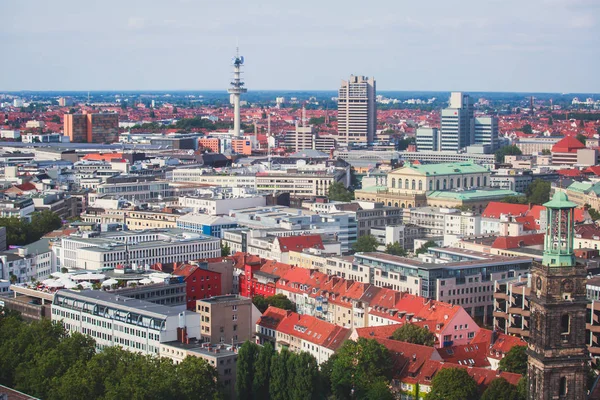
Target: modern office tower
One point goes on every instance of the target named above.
(428, 139)
(299, 139)
(357, 114)
(485, 131)
(92, 128)
(457, 123)
(236, 89)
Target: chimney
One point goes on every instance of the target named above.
(414, 357)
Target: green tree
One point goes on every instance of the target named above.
(594, 214)
(338, 192)
(395, 249)
(453, 384)
(550, 120)
(527, 129)
(304, 379)
(278, 385)
(515, 360)
(55, 119)
(379, 390)
(523, 388)
(412, 333)
(546, 152)
(365, 244)
(277, 300)
(152, 114)
(260, 385)
(196, 379)
(581, 137)
(38, 376)
(507, 151)
(515, 199)
(500, 389)
(357, 365)
(538, 192)
(225, 250)
(175, 110)
(426, 245)
(245, 370)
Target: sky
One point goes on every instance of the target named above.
(429, 45)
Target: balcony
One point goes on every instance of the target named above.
(501, 295)
(592, 328)
(500, 314)
(518, 331)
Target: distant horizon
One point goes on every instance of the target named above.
(536, 46)
(308, 91)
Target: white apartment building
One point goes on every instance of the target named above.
(446, 221)
(296, 184)
(220, 206)
(357, 114)
(146, 247)
(113, 320)
(428, 139)
(207, 177)
(33, 261)
(485, 131)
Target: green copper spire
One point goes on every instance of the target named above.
(558, 243)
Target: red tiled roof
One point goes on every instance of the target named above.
(495, 208)
(567, 145)
(482, 376)
(299, 243)
(502, 342)
(314, 330)
(587, 231)
(26, 187)
(272, 317)
(383, 331)
(275, 268)
(408, 358)
(595, 170)
(513, 242)
(572, 172)
(472, 354)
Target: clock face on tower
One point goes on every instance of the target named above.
(567, 286)
(538, 283)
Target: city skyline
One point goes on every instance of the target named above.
(538, 46)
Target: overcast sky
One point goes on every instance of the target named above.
(469, 45)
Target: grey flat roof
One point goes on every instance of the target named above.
(120, 302)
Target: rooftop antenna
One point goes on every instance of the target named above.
(88, 97)
(303, 116)
(236, 89)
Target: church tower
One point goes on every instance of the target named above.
(557, 350)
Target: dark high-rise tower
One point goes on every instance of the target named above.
(557, 349)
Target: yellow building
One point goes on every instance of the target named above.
(408, 186)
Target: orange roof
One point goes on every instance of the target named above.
(595, 170)
(314, 330)
(272, 317)
(299, 243)
(495, 208)
(103, 157)
(472, 354)
(502, 342)
(568, 144)
(275, 268)
(513, 242)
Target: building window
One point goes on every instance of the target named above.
(562, 387)
(565, 324)
(393, 183)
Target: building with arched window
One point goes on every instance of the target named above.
(412, 184)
